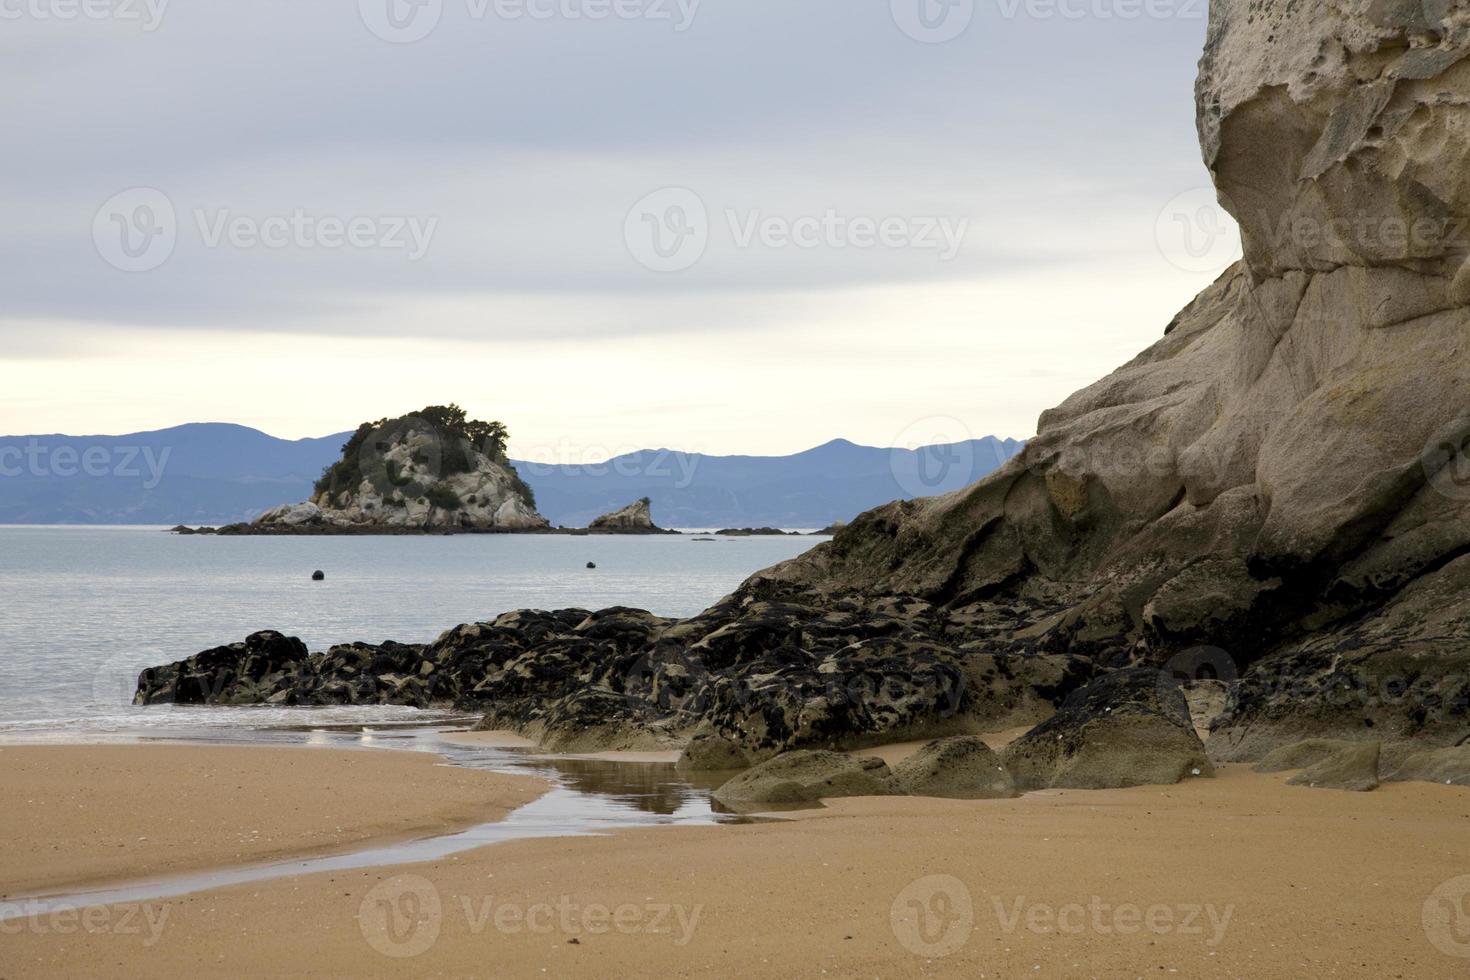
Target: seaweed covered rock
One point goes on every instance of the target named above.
(805, 777)
(961, 767)
(1126, 728)
(1326, 763)
(1448, 766)
(240, 673)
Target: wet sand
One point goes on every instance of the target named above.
(510, 740)
(1238, 876)
(83, 816)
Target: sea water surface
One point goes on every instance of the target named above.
(84, 609)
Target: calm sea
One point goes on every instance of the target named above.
(83, 609)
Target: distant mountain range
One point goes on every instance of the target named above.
(215, 473)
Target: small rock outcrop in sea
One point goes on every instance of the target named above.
(436, 470)
(1275, 494)
(636, 518)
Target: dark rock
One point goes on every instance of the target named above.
(1122, 729)
(318, 576)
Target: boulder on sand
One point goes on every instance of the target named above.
(961, 767)
(1326, 763)
(805, 777)
(1127, 728)
(1448, 766)
(708, 751)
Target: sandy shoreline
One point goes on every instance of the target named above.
(1227, 877)
(84, 816)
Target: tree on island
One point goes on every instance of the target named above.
(457, 444)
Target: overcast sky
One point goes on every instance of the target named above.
(726, 226)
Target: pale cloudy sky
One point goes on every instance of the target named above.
(725, 226)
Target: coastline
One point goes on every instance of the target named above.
(1238, 875)
(87, 816)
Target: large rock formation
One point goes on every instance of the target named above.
(435, 470)
(1283, 475)
(1276, 495)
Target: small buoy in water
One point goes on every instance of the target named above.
(592, 564)
(319, 576)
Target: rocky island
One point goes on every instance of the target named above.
(1255, 533)
(433, 472)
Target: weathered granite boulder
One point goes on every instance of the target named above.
(805, 777)
(1125, 728)
(636, 518)
(961, 767)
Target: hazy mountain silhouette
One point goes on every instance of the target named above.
(215, 473)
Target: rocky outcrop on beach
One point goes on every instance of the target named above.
(1282, 477)
(1126, 728)
(636, 518)
(805, 777)
(961, 767)
(1267, 511)
(435, 470)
